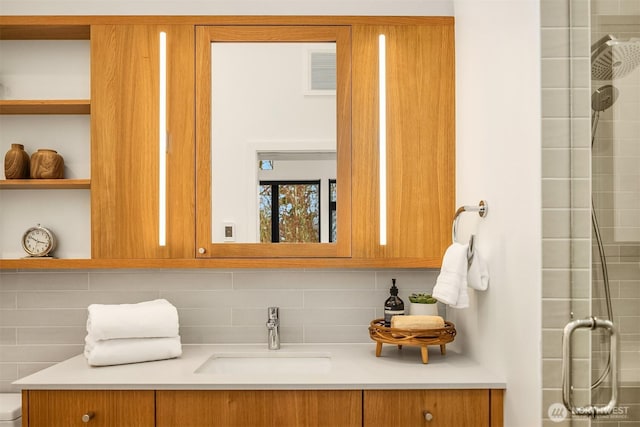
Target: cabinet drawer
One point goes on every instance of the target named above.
(446, 408)
(258, 408)
(114, 408)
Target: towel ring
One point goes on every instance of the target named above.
(482, 210)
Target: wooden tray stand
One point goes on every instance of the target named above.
(416, 337)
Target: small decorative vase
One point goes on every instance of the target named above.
(16, 163)
(47, 164)
(423, 309)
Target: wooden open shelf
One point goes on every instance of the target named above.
(45, 106)
(45, 32)
(45, 184)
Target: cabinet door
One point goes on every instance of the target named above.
(259, 408)
(127, 170)
(420, 141)
(442, 408)
(65, 408)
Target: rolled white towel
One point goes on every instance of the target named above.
(150, 319)
(130, 350)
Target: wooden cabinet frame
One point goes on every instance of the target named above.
(429, 215)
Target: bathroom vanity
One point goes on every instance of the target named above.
(301, 384)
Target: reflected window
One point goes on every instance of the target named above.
(289, 211)
(333, 218)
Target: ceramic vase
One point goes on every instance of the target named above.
(16, 163)
(47, 164)
(423, 309)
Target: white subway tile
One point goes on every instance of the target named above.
(80, 299)
(51, 335)
(304, 280)
(160, 281)
(35, 281)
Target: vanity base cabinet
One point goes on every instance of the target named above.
(435, 408)
(259, 408)
(100, 408)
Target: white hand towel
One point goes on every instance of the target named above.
(463, 297)
(150, 319)
(130, 350)
(478, 275)
(453, 275)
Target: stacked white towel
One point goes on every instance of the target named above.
(131, 333)
(456, 274)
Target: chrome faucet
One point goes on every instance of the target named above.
(273, 326)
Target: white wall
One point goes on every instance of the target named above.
(498, 159)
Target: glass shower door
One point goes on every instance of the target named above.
(601, 347)
(615, 181)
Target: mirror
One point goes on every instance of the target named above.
(273, 141)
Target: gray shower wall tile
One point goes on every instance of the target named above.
(556, 223)
(556, 163)
(554, 13)
(555, 42)
(556, 103)
(555, 73)
(556, 132)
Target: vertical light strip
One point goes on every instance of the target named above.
(162, 136)
(382, 138)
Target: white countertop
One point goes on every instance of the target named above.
(352, 366)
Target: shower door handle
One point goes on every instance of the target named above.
(567, 386)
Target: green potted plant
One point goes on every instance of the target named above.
(423, 304)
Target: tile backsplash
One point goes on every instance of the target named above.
(43, 314)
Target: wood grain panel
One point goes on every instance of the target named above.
(261, 408)
(406, 408)
(497, 407)
(420, 140)
(205, 36)
(113, 408)
(125, 130)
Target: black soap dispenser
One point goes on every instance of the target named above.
(393, 306)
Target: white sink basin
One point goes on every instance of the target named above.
(274, 362)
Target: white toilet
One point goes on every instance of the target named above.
(10, 410)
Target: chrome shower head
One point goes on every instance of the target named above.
(604, 97)
(612, 58)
